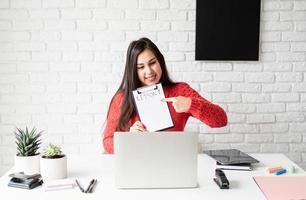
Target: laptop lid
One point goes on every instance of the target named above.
(156, 160)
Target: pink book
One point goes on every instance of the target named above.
(282, 188)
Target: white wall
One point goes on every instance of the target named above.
(61, 60)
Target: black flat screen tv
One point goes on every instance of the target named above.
(227, 29)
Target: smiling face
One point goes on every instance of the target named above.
(148, 68)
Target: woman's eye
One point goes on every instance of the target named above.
(140, 67)
(152, 63)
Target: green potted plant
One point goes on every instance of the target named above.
(53, 163)
(27, 157)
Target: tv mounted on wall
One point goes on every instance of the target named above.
(227, 29)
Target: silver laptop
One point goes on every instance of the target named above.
(156, 159)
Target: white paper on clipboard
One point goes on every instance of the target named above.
(152, 112)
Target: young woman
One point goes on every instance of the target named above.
(145, 65)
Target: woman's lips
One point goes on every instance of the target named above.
(150, 78)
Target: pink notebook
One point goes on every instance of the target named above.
(282, 188)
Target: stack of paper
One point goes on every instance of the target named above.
(60, 184)
(152, 111)
(243, 167)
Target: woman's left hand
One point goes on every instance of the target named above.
(179, 103)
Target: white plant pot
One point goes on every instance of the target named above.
(53, 168)
(27, 164)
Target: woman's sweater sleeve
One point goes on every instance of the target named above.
(209, 113)
(111, 123)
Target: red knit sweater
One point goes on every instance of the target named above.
(202, 109)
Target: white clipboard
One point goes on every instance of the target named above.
(152, 111)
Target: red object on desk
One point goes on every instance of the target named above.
(274, 169)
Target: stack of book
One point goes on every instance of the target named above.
(232, 159)
(20, 180)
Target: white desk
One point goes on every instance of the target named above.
(101, 167)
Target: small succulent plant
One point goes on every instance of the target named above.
(28, 142)
(52, 151)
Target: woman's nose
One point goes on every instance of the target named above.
(148, 70)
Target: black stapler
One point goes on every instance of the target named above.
(221, 179)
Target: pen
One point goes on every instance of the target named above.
(78, 184)
(91, 182)
(92, 185)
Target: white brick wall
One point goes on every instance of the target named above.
(61, 61)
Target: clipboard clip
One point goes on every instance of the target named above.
(141, 88)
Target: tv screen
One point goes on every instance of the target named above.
(227, 29)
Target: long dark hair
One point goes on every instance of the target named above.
(131, 82)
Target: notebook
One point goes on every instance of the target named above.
(152, 111)
(231, 157)
(156, 160)
(282, 188)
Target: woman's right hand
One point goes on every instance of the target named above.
(138, 126)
